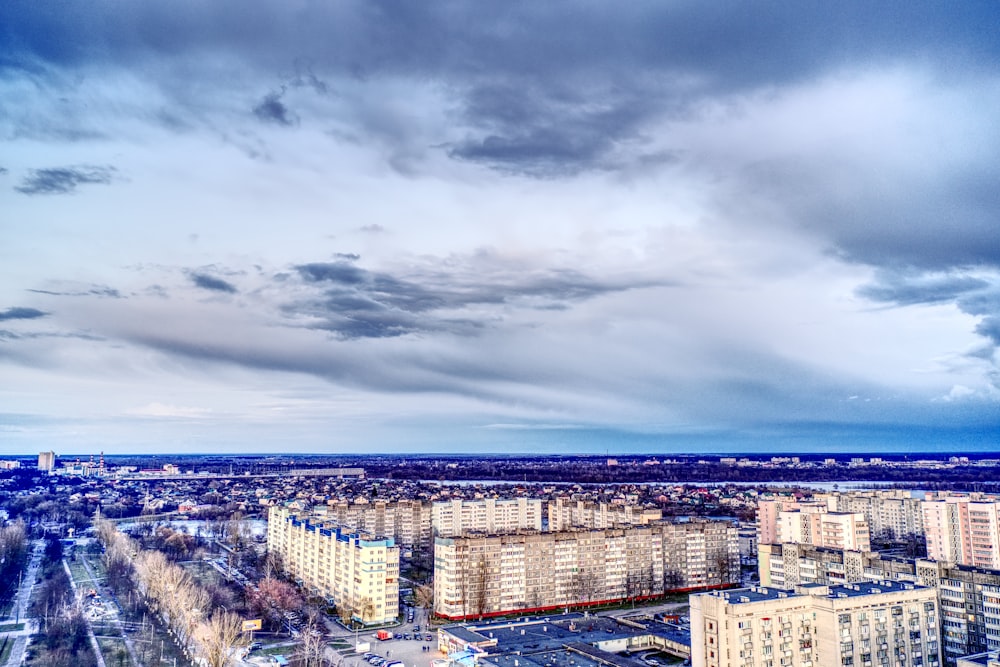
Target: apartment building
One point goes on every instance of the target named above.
(891, 514)
(769, 509)
(855, 625)
(969, 597)
(565, 514)
(478, 576)
(817, 526)
(963, 529)
(488, 515)
(406, 521)
(354, 571)
(46, 461)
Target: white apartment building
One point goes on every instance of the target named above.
(964, 530)
(768, 511)
(565, 514)
(46, 461)
(868, 624)
(817, 526)
(489, 515)
(352, 570)
(407, 521)
(892, 514)
(479, 576)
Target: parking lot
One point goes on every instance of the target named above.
(407, 653)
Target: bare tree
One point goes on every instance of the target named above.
(365, 609)
(311, 650)
(423, 595)
(480, 582)
(220, 637)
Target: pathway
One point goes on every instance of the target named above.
(129, 646)
(20, 608)
(90, 630)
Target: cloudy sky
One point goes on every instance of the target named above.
(364, 226)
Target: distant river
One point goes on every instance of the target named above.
(817, 486)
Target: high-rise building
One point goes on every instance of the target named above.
(46, 461)
(855, 625)
(969, 596)
(488, 575)
(407, 521)
(963, 529)
(359, 573)
(892, 514)
(770, 508)
(489, 515)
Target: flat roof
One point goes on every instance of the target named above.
(760, 593)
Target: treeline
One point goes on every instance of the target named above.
(170, 591)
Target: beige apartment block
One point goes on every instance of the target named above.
(769, 510)
(489, 515)
(869, 624)
(964, 530)
(892, 514)
(354, 571)
(407, 521)
(479, 576)
(969, 597)
(565, 514)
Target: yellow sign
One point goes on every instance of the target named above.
(249, 626)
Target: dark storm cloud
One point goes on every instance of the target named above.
(63, 180)
(271, 109)
(18, 313)
(544, 88)
(356, 302)
(212, 283)
(338, 272)
(911, 288)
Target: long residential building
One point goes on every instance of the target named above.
(407, 521)
(969, 596)
(477, 576)
(892, 514)
(488, 515)
(883, 624)
(356, 572)
(565, 514)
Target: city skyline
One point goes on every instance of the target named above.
(454, 228)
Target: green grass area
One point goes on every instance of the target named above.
(11, 627)
(203, 573)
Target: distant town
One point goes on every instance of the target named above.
(500, 561)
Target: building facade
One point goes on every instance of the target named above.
(969, 597)
(406, 521)
(46, 461)
(477, 576)
(355, 572)
(963, 529)
(489, 515)
(892, 514)
(870, 624)
(566, 514)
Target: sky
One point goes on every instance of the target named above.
(514, 227)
